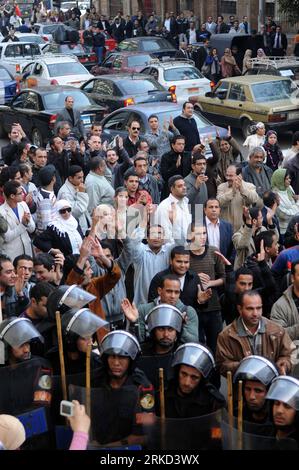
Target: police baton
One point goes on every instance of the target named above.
(240, 413)
(61, 356)
(162, 406)
(88, 353)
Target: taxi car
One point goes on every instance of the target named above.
(242, 101)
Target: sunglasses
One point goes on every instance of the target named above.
(64, 211)
(136, 128)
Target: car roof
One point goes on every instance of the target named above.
(18, 43)
(170, 64)
(152, 108)
(123, 76)
(45, 89)
(251, 79)
(129, 53)
(53, 59)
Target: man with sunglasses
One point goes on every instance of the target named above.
(132, 140)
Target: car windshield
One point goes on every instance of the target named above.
(55, 100)
(155, 45)
(67, 68)
(71, 48)
(49, 29)
(4, 75)
(182, 73)
(34, 38)
(273, 91)
(137, 60)
(138, 87)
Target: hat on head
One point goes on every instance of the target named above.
(12, 432)
(260, 125)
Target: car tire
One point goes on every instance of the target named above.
(246, 125)
(37, 138)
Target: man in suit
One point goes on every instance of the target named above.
(279, 43)
(221, 27)
(183, 53)
(219, 231)
(72, 116)
(118, 30)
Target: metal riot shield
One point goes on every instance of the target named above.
(150, 365)
(253, 436)
(200, 433)
(112, 412)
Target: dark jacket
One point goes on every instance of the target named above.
(77, 127)
(50, 238)
(118, 33)
(9, 151)
(187, 128)
(131, 148)
(168, 168)
(226, 244)
(293, 166)
(12, 304)
(289, 239)
(248, 175)
(61, 162)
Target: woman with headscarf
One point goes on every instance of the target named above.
(212, 65)
(261, 54)
(289, 204)
(257, 139)
(63, 233)
(229, 67)
(274, 154)
(246, 61)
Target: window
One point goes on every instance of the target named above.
(128, 46)
(4, 74)
(103, 87)
(151, 46)
(272, 91)
(31, 101)
(180, 73)
(12, 51)
(118, 62)
(117, 122)
(19, 101)
(136, 87)
(236, 92)
(222, 87)
(56, 100)
(67, 68)
(138, 60)
(228, 7)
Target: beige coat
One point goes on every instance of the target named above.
(16, 239)
(232, 202)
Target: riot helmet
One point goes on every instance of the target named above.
(77, 324)
(67, 297)
(17, 331)
(194, 355)
(285, 389)
(120, 343)
(256, 368)
(164, 315)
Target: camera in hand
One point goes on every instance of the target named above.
(66, 408)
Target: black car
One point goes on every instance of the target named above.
(156, 46)
(84, 55)
(36, 110)
(121, 90)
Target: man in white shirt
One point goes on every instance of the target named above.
(173, 213)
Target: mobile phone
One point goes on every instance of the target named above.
(66, 408)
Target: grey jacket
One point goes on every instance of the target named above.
(194, 194)
(285, 313)
(190, 328)
(78, 127)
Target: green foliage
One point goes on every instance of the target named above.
(291, 9)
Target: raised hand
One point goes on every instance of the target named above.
(130, 310)
(222, 258)
(20, 283)
(261, 255)
(172, 213)
(203, 295)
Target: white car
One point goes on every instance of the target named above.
(180, 77)
(30, 37)
(56, 69)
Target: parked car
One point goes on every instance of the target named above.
(116, 123)
(8, 86)
(15, 55)
(30, 37)
(84, 55)
(46, 30)
(242, 101)
(123, 62)
(36, 110)
(56, 69)
(180, 77)
(157, 46)
(278, 66)
(119, 90)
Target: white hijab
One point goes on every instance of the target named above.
(66, 227)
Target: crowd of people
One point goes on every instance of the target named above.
(158, 251)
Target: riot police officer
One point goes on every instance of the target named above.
(124, 398)
(190, 393)
(257, 374)
(284, 391)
